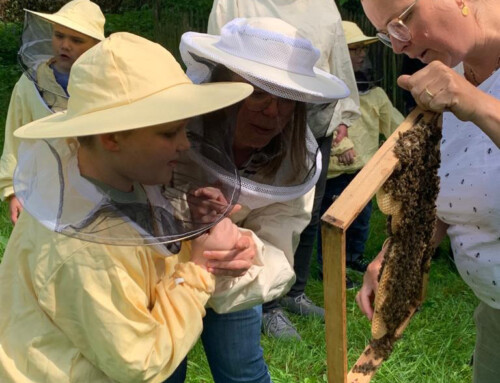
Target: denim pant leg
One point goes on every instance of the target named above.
(179, 375)
(232, 346)
(334, 187)
(358, 231)
(357, 234)
(303, 254)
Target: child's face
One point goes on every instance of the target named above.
(149, 155)
(68, 45)
(358, 55)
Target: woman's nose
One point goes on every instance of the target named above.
(272, 109)
(398, 46)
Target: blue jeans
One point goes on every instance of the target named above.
(304, 252)
(232, 345)
(357, 233)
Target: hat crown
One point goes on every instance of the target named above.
(112, 74)
(354, 34)
(269, 41)
(83, 16)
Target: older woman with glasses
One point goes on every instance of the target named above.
(463, 36)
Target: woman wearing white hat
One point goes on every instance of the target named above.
(93, 290)
(319, 21)
(51, 44)
(278, 161)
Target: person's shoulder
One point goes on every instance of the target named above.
(378, 91)
(376, 96)
(23, 82)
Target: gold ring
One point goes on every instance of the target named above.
(429, 93)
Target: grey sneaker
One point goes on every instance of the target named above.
(275, 324)
(302, 305)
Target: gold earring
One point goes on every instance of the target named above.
(465, 10)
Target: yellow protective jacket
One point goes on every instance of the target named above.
(378, 116)
(276, 231)
(320, 22)
(26, 105)
(75, 311)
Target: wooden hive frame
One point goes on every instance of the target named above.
(335, 223)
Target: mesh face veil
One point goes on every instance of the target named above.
(271, 55)
(259, 189)
(36, 49)
(49, 185)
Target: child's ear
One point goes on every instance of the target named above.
(109, 142)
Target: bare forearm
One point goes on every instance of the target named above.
(439, 233)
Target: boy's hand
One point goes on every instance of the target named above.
(341, 133)
(347, 157)
(207, 204)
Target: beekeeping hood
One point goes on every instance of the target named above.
(270, 54)
(82, 16)
(126, 82)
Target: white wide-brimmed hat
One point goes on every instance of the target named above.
(127, 82)
(268, 53)
(354, 34)
(82, 16)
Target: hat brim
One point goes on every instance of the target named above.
(177, 103)
(321, 88)
(366, 40)
(53, 18)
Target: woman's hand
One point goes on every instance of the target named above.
(366, 295)
(15, 208)
(439, 88)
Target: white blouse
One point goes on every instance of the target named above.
(469, 200)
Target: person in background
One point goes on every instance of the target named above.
(319, 21)
(461, 79)
(42, 89)
(378, 117)
(409, 66)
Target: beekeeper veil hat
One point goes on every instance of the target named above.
(272, 55)
(82, 16)
(126, 82)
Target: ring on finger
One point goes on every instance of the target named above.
(429, 93)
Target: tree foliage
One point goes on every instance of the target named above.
(12, 10)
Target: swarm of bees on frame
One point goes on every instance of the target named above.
(413, 187)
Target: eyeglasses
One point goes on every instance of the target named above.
(260, 100)
(397, 28)
(360, 49)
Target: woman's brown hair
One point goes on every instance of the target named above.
(291, 140)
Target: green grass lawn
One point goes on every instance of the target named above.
(436, 347)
